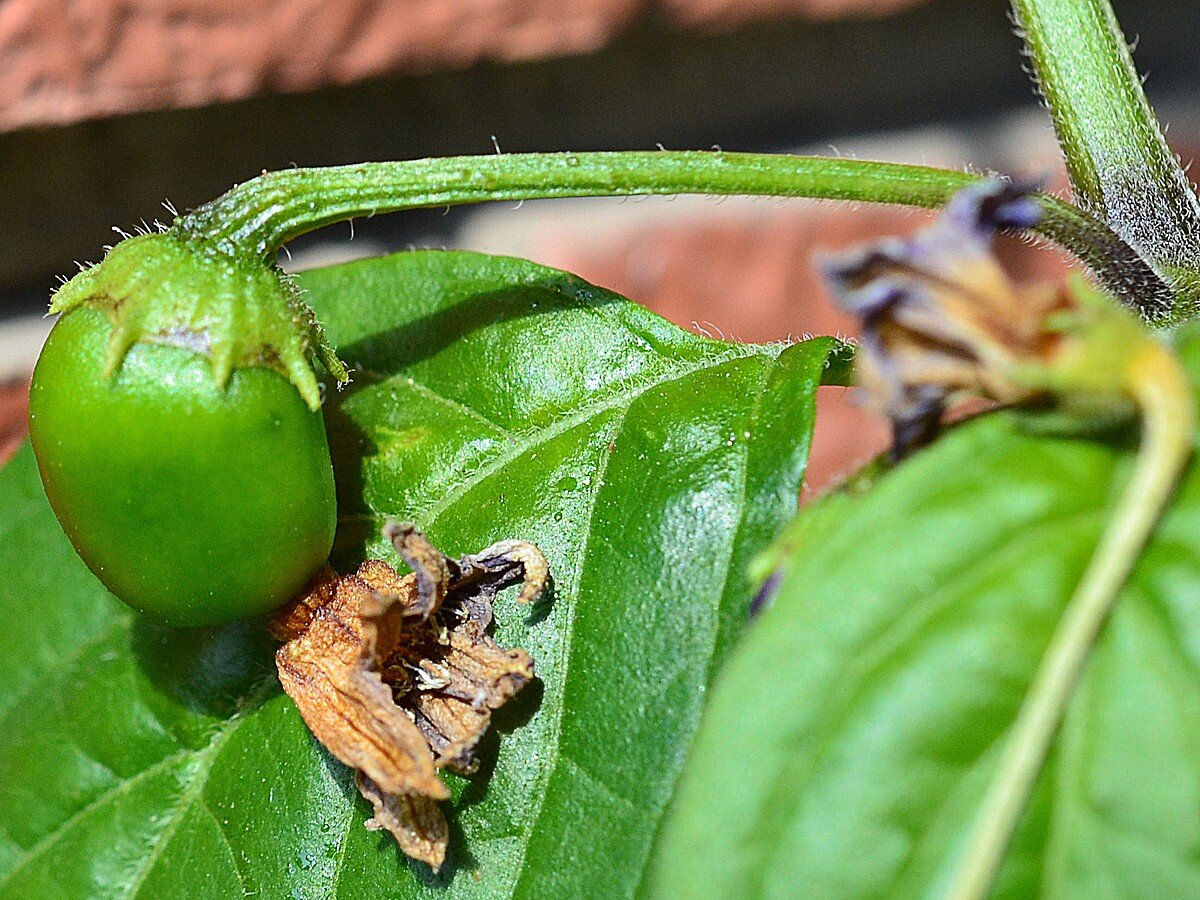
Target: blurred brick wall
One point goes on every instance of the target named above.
(65, 60)
(14, 409)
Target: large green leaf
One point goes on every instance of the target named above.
(850, 737)
(493, 399)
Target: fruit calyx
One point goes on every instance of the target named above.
(168, 288)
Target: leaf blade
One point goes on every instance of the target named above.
(880, 687)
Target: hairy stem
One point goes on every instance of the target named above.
(262, 214)
(1121, 168)
(1160, 387)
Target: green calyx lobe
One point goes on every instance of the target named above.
(235, 310)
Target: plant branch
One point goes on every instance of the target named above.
(1158, 384)
(262, 214)
(1121, 168)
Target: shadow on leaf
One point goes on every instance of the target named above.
(207, 670)
(394, 350)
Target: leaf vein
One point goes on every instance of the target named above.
(786, 793)
(237, 870)
(426, 391)
(62, 670)
(576, 577)
(113, 793)
(204, 762)
(743, 480)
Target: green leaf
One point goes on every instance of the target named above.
(1122, 170)
(850, 737)
(493, 399)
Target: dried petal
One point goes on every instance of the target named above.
(416, 822)
(428, 565)
(331, 672)
(940, 316)
(398, 677)
(480, 677)
(503, 559)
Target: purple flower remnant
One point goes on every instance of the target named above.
(765, 594)
(941, 319)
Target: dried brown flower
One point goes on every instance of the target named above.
(398, 676)
(940, 316)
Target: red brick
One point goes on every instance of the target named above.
(14, 418)
(65, 60)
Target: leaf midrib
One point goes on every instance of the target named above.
(772, 363)
(568, 643)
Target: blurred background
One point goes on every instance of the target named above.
(108, 108)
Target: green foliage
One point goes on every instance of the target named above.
(492, 399)
(850, 737)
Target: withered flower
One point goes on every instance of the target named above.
(398, 677)
(940, 316)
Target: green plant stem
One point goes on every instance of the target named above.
(262, 214)
(1160, 388)
(1121, 168)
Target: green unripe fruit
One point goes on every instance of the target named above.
(196, 497)
(194, 503)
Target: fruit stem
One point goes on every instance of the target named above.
(1159, 386)
(262, 214)
(1121, 167)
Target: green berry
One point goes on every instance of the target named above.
(175, 419)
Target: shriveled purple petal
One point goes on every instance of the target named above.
(934, 308)
(977, 212)
(766, 593)
(917, 423)
(864, 281)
